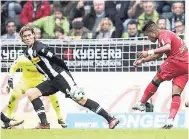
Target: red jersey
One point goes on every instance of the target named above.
(178, 50)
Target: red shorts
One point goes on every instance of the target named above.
(174, 69)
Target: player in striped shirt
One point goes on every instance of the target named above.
(30, 78)
(58, 77)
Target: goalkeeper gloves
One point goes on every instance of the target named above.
(9, 84)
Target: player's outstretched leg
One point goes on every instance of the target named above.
(149, 91)
(96, 108)
(175, 104)
(13, 101)
(9, 123)
(56, 106)
(92, 105)
(33, 95)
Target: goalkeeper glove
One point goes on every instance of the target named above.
(9, 84)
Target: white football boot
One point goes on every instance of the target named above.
(169, 124)
(139, 106)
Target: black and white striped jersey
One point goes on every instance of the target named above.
(44, 60)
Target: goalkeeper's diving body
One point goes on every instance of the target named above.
(30, 78)
(59, 79)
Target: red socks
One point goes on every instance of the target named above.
(150, 90)
(175, 104)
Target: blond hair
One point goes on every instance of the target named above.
(102, 23)
(26, 28)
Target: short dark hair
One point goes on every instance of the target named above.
(8, 21)
(59, 29)
(149, 25)
(132, 21)
(77, 24)
(182, 2)
(58, 8)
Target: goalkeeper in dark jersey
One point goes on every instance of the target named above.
(59, 79)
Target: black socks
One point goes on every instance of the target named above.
(95, 107)
(39, 108)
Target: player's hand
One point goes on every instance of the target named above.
(8, 90)
(142, 54)
(9, 85)
(10, 82)
(138, 62)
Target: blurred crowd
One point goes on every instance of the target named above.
(83, 19)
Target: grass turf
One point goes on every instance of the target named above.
(94, 134)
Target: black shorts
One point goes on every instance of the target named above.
(62, 82)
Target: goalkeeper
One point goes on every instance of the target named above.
(30, 78)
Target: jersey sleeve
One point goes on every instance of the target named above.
(164, 39)
(47, 52)
(44, 50)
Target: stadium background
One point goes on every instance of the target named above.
(101, 60)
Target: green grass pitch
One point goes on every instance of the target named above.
(94, 134)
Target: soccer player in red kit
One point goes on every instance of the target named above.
(174, 68)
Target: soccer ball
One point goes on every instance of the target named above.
(77, 93)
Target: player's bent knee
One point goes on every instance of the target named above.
(33, 93)
(157, 81)
(176, 90)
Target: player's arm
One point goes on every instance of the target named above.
(160, 50)
(152, 57)
(15, 65)
(149, 58)
(46, 52)
(155, 52)
(165, 46)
